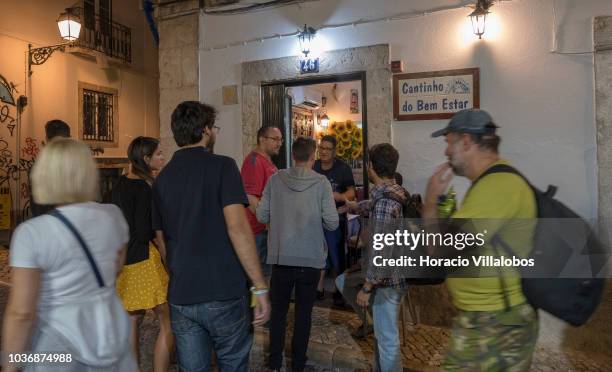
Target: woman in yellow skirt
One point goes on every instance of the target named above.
(143, 283)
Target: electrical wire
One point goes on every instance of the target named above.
(361, 21)
(257, 7)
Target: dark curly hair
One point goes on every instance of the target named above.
(384, 158)
(189, 120)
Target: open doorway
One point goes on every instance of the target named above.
(314, 107)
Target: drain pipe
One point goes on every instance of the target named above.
(148, 10)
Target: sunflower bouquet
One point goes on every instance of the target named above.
(349, 138)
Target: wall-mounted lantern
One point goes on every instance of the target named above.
(306, 37)
(69, 25)
(479, 16)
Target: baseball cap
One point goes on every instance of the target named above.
(469, 121)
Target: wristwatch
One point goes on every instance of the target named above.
(366, 290)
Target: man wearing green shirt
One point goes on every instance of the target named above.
(496, 329)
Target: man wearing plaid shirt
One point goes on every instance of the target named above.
(383, 294)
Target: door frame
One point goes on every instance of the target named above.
(337, 78)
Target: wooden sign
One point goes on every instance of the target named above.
(436, 94)
(230, 94)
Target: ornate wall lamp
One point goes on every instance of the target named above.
(69, 24)
(479, 16)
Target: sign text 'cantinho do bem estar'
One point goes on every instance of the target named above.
(435, 95)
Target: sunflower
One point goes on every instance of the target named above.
(358, 134)
(333, 126)
(345, 137)
(340, 128)
(340, 147)
(350, 126)
(356, 153)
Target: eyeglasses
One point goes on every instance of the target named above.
(321, 148)
(218, 129)
(275, 139)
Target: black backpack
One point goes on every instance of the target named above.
(572, 299)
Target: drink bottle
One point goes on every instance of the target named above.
(447, 204)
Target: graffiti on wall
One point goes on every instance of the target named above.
(7, 119)
(15, 163)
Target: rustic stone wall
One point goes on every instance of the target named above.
(596, 336)
(178, 63)
(374, 60)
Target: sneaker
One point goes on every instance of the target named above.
(320, 294)
(362, 332)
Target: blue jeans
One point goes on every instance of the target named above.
(220, 325)
(385, 309)
(261, 242)
(336, 255)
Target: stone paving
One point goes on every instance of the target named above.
(422, 349)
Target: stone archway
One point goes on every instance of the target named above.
(374, 60)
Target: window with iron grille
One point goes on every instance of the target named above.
(98, 115)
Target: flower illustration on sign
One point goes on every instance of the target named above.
(460, 86)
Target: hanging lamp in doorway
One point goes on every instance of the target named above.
(324, 119)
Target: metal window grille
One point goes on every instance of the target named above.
(98, 116)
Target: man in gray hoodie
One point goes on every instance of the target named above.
(298, 204)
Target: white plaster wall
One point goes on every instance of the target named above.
(542, 101)
(339, 107)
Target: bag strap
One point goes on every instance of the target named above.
(496, 240)
(498, 168)
(57, 214)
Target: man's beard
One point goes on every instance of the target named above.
(457, 169)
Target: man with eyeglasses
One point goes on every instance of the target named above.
(257, 168)
(341, 178)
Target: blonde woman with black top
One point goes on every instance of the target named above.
(143, 283)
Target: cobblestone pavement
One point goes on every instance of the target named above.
(422, 348)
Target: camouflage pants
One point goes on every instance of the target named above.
(493, 341)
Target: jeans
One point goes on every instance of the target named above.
(336, 245)
(261, 242)
(386, 309)
(284, 279)
(385, 303)
(220, 325)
